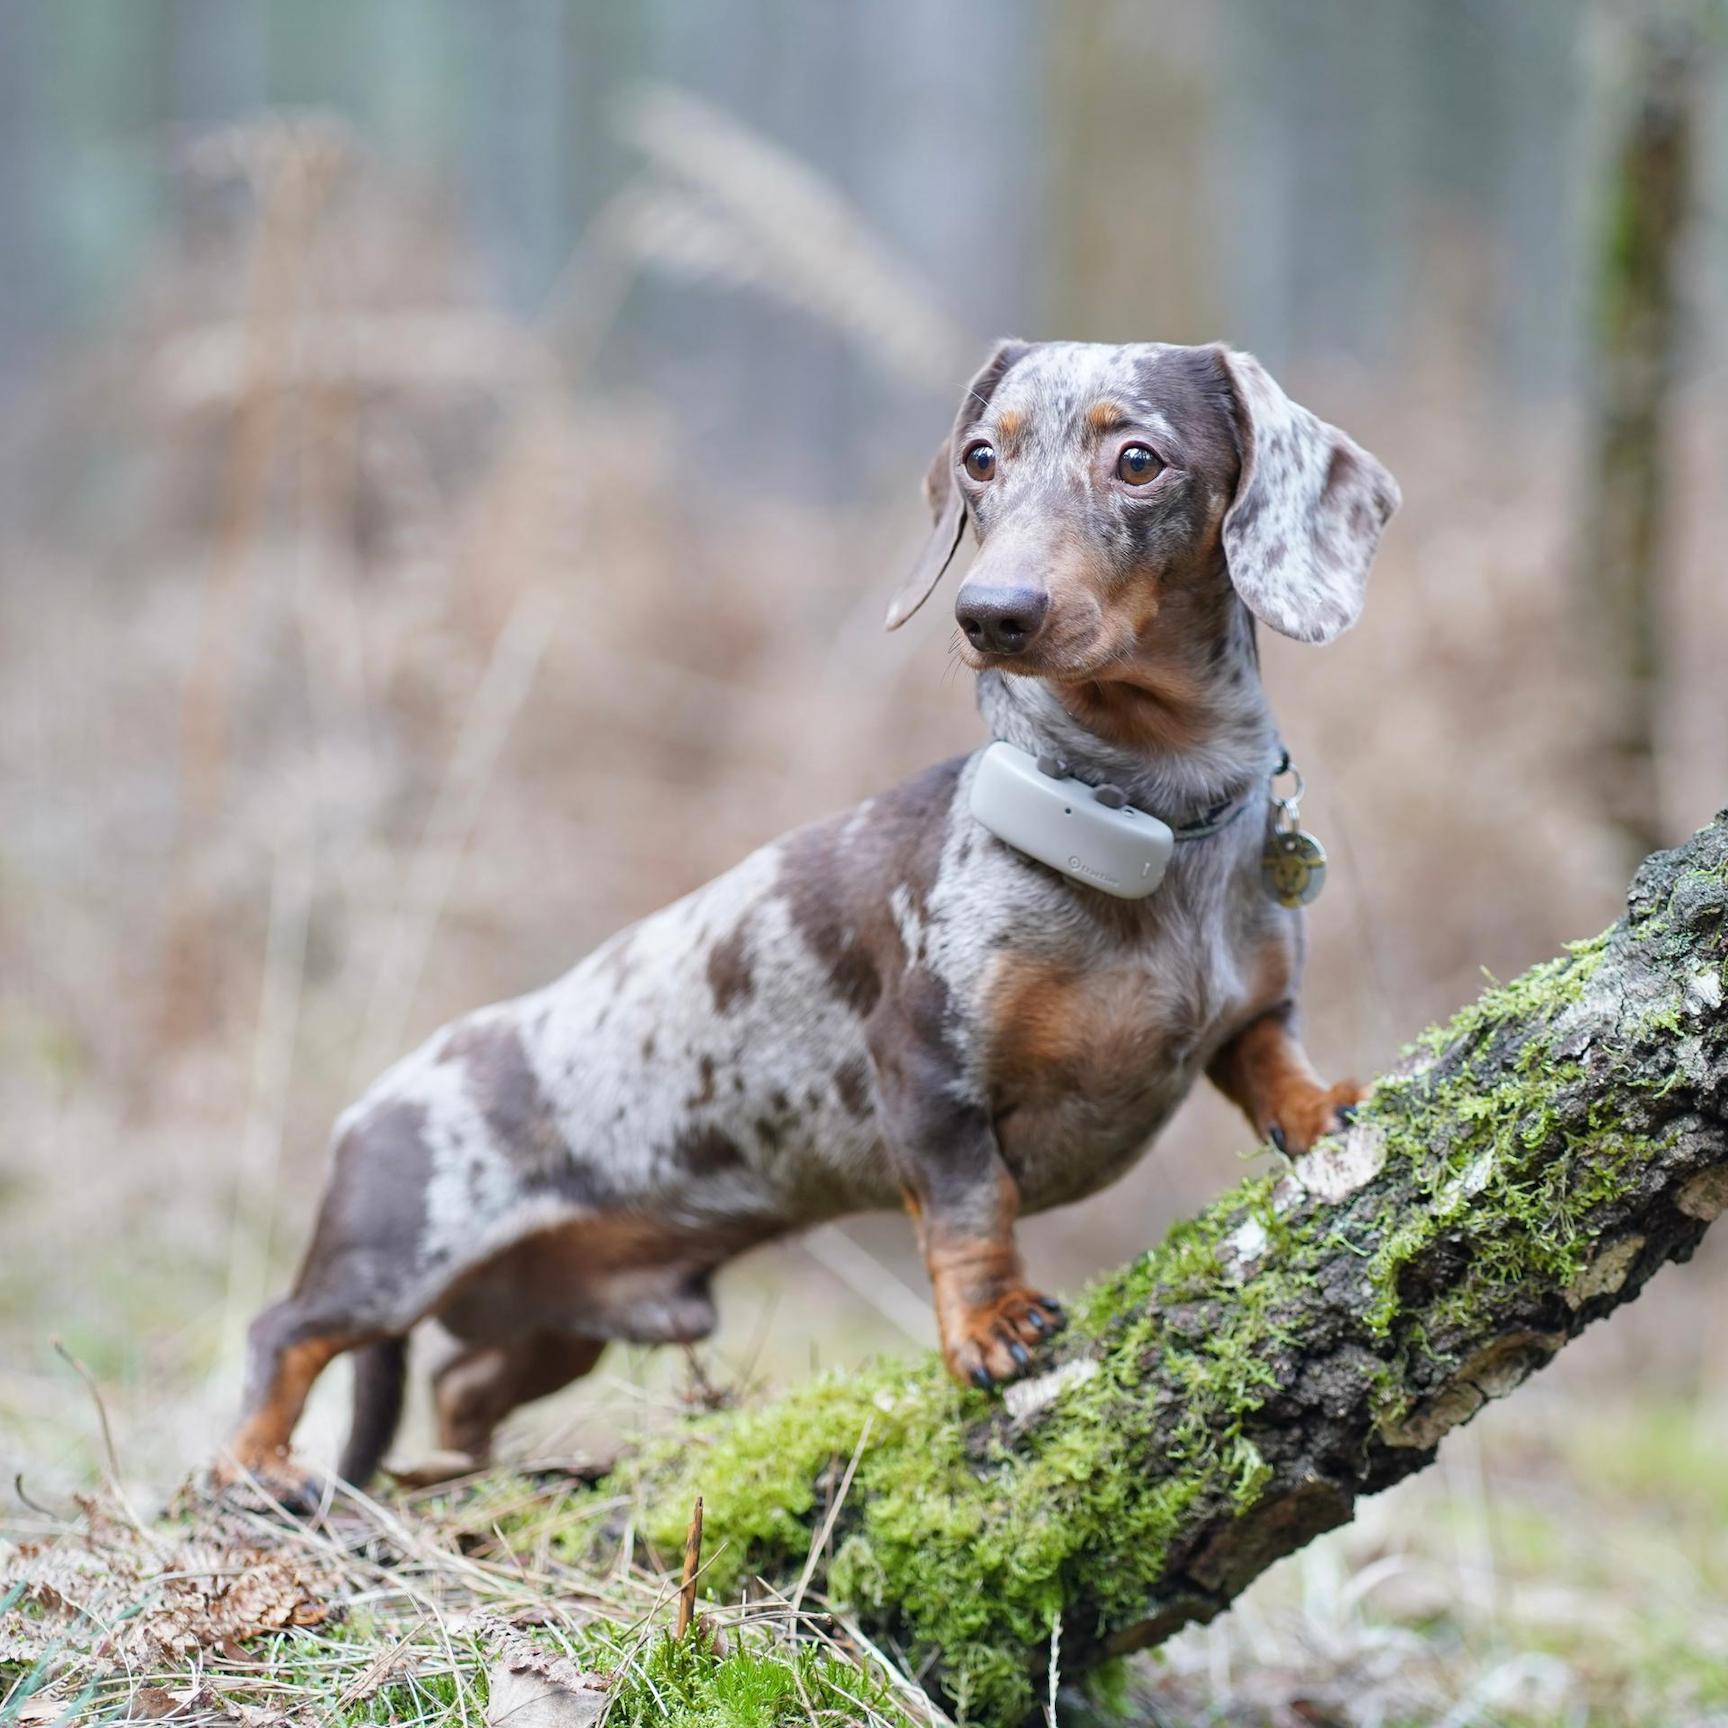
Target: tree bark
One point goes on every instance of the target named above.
(1310, 1338)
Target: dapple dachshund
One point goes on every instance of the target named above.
(890, 1006)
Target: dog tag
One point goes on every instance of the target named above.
(1293, 867)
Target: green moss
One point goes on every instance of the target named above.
(1511, 1173)
(1537, 995)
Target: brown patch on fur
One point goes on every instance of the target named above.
(1167, 714)
(552, 1272)
(507, 1093)
(705, 1095)
(1055, 1034)
(1010, 428)
(852, 1087)
(374, 1200)
(729, 975)
(856, 977)
(617, 1274)
(1341, 470)
(706, 1151)
(838, 889)
(1266, 1073)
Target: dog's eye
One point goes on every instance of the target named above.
(1136, 465)
(980, 461)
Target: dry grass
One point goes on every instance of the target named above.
(337, 695)
(402, 1612)
(1543, 1575)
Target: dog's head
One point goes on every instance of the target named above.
(1104, 482)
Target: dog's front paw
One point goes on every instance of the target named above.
(1308, 1115)
(992, 1344)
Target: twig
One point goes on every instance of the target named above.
(34, 1505)
(90, 1385)
(1055, 1679)
(692, 1564)
(114, 1481)
(703, 1392)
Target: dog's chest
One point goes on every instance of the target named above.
(1092, 1046)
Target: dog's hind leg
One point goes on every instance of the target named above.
(365, 1281)
(287, 1349)
(480, 1386)
(380, 1379)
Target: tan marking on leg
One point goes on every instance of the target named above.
(260, 1444)
(988, 1319)
(1266, 1073)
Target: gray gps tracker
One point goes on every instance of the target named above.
(1086, 833)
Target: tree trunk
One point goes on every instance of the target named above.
(1310, 1338)
(1636, 342)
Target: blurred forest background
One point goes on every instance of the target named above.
(453, 457)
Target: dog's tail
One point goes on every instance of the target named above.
(380, 1374)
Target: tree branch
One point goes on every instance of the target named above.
(1308, 1339)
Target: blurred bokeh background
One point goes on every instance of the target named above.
(453, 456)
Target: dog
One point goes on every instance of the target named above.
(891, 1006)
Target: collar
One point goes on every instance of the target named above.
(1214, 819)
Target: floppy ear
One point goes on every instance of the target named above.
(1310, 504)
(942, 492)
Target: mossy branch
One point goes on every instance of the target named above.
(1308, 1339)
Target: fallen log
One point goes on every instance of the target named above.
(1310, 1338)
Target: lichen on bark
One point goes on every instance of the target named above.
(1308, 1338)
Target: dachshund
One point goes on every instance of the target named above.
(891, 1006)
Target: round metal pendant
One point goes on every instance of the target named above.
(1293, 867)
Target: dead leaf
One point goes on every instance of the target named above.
(152, 1704)
(531, 1701)
(532, 1688)
(178, 1704)
(38, 1709)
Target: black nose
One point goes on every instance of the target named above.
(1001, 620)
